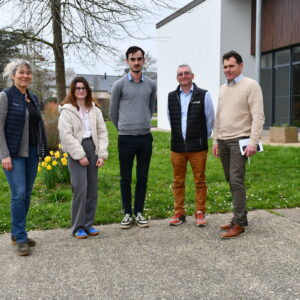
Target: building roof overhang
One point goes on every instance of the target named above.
(178, 13)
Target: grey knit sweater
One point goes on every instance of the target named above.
(132, 105)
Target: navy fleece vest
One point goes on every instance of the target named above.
(196, 131)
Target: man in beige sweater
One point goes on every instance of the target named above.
(240, 115)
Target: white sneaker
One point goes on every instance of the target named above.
(126, 223)
(141, 221)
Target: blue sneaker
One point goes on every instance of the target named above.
(93, 231)
(80, 234)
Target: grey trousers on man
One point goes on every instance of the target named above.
(84, 182)
(234, 169)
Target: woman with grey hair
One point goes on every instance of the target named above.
(23, 140)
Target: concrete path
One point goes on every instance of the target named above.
(160, 262)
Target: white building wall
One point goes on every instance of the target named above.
(192, 38)
(236, 33)
(199, 38)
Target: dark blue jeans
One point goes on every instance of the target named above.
(131, 146)
(21, 180)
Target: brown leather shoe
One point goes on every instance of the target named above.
(234, 231)
(23, 249)
(228, 226)
(31, 242)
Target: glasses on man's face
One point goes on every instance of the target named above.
(80, 89)
(183, 74)
(139, 59)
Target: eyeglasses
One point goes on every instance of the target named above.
(80, 89)
(136, 59)
(183, 74)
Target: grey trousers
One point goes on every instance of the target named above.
(234, 169)
(84, 181)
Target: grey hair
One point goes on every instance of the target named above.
(12, 67)
(187, 66)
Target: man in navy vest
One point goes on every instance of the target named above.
(191, 116)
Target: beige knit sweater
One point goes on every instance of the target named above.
(240, 111)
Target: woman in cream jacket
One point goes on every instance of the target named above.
(84, 137)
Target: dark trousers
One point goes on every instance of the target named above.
(234, 169)
(130, 147)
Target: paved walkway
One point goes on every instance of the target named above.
(160, 262)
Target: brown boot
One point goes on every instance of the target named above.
(235, 230)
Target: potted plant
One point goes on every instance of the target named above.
(283, 133)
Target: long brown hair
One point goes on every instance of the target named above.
(70, 98)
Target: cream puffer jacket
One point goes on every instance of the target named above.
(70, 128)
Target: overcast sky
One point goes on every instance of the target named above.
(149, 45)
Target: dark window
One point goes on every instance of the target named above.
(282, 57)
(282, 94)
(296, 54)
(280, 82)
(296, 95)
(266, 83)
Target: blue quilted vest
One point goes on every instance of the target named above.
(15, 120)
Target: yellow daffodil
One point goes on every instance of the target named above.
(64, 161)
(65, 154)
(47, 159)
(59, 146)
(51, 153)
(39, 169)
(54, 163)
(57, 154)
(49, 168)
(43, 164)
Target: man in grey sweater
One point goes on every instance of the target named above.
(131, 109)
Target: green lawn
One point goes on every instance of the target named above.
(272, 182)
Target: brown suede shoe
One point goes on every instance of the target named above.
(234, 231)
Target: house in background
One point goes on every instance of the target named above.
(100, 84)
(202, 31)
(101, 87)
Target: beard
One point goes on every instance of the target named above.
(136, 69)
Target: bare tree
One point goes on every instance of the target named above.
(88, 27)
(9, 48)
